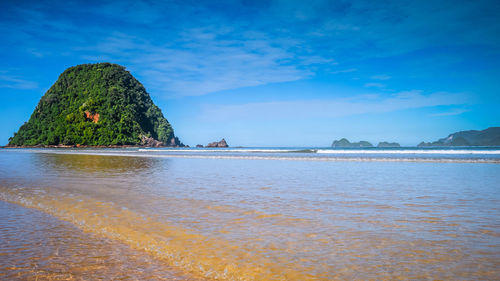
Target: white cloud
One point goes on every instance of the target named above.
(330, 108)
(344, 70)
(35, 52)
(455, 111)
(200, 61)
(375, 85)
(14, 82)
(381, 77)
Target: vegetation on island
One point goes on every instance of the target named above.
(487, 137)
(345, 143)
(95, 105)
(388, 144)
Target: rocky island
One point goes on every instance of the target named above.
(98, 104)
(221, 143)
(345, 143)
(388, 144)
(487, 137)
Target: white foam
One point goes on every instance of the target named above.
(334, 151)
(264, 150)
(410, 151)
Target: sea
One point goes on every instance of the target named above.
(250, 214)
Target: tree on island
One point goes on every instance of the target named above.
(98, 104)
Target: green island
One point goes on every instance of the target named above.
(98, 104)
(487, 137)
(388, 144)
(346, 143)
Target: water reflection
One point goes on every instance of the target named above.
(273, 220)
(96, 164)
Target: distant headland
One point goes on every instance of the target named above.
(487, 137)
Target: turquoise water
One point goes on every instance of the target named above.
(274, 214)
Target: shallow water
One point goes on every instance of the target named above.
(37, 246)
(229, 217)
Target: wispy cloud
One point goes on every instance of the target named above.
(455, 111)
(344, 70)
(330, 108)
(375, 85)
(35, 52)
(201, 62)
(181, 48)
(14, 82)
(394, 27)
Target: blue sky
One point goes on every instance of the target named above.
(270, 73)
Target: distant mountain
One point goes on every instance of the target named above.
(488, 137)
(98, 104)
(345, 143)
(388, 144)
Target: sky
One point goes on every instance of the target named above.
(270, 73)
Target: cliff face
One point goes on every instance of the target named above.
(487, 137)
(96, 104)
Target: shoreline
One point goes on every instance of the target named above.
(88, 146)
(273, 157)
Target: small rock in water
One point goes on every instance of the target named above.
(221, 143)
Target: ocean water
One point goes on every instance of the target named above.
(250, 214)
